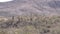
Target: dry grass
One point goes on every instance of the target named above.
(34, 24)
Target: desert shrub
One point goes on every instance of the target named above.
(33, 24)
(3, 31)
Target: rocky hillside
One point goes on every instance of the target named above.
(26, 7)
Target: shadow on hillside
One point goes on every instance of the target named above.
(54, 4)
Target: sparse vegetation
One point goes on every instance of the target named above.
(34, 24)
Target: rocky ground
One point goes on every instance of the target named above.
(30, 17)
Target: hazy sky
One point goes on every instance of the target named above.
(5, 0)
